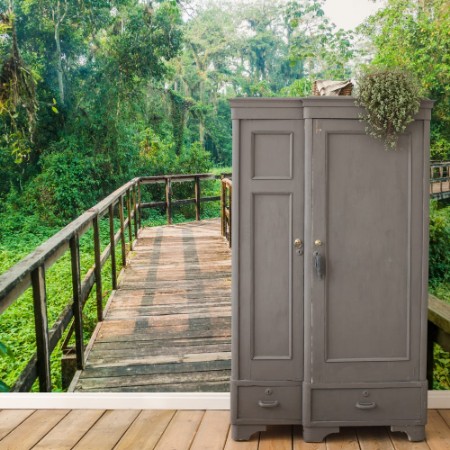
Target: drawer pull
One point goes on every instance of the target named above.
(366, 405)
(271, 404)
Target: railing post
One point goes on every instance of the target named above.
(98, 269)
(139, 205)
(223, 219)
(112, 241)
(135, 217)
(130, 225)
(197, 197)
(41, 325)
(230, 190)
(77, 300)
(432, 334)
(122, 232)
(169, 200)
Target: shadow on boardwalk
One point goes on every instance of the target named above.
(168, 326)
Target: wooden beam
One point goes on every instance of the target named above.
(169, 200)
(197, 198)
(122, 232)
(112, 243)
(41, 326)
(77, 300)
(98, 269)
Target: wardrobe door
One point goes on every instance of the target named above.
(365, 255)
(271, 203)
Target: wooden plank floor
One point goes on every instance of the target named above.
(168, 326)
(183, 430)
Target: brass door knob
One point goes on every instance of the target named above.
(318, 243)
(298, 243)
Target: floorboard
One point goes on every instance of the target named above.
(194, 430)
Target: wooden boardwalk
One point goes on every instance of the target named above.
(168, 326)
(183, 430)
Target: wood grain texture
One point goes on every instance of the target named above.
(276, 438)
(32, 430)
(168, 326)
(146, 430)
(170, 430)
(70, 430)
(374, 438)
(346, 439)
(107, 431)
(437, 431)
(11, 419)
(212, 432)
(181, 431)
(251, 444)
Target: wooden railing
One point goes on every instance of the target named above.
(123, 206)
(440, 180)
(225, 208)
(32, 269)
(438, 330)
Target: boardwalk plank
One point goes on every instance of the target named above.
(169, 322)
(32, 430)
(70, 430)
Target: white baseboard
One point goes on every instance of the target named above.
(170, 400)
(100, 400)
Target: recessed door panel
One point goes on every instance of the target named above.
(272, 276)
(366, 305)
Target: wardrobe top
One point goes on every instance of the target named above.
(306, 108)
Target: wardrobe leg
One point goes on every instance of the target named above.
(415, 433)
(318, 434)
(244, 432)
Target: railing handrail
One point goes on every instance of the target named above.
(17, 279)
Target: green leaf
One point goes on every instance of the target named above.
(55, 110)
(54, 101)
(4, 350)
(4, 387)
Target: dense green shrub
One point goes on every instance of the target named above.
(439, 243)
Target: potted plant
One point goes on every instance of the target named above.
(391, 98)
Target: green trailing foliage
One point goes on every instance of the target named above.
(390, 98)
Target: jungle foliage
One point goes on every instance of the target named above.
(96, 92)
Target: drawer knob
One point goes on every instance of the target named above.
(366, 405)
(267, 404)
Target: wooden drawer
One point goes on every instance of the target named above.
(371, 406)
(272, 404)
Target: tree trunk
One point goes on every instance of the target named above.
(59, 67)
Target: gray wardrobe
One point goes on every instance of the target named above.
(330, 251)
